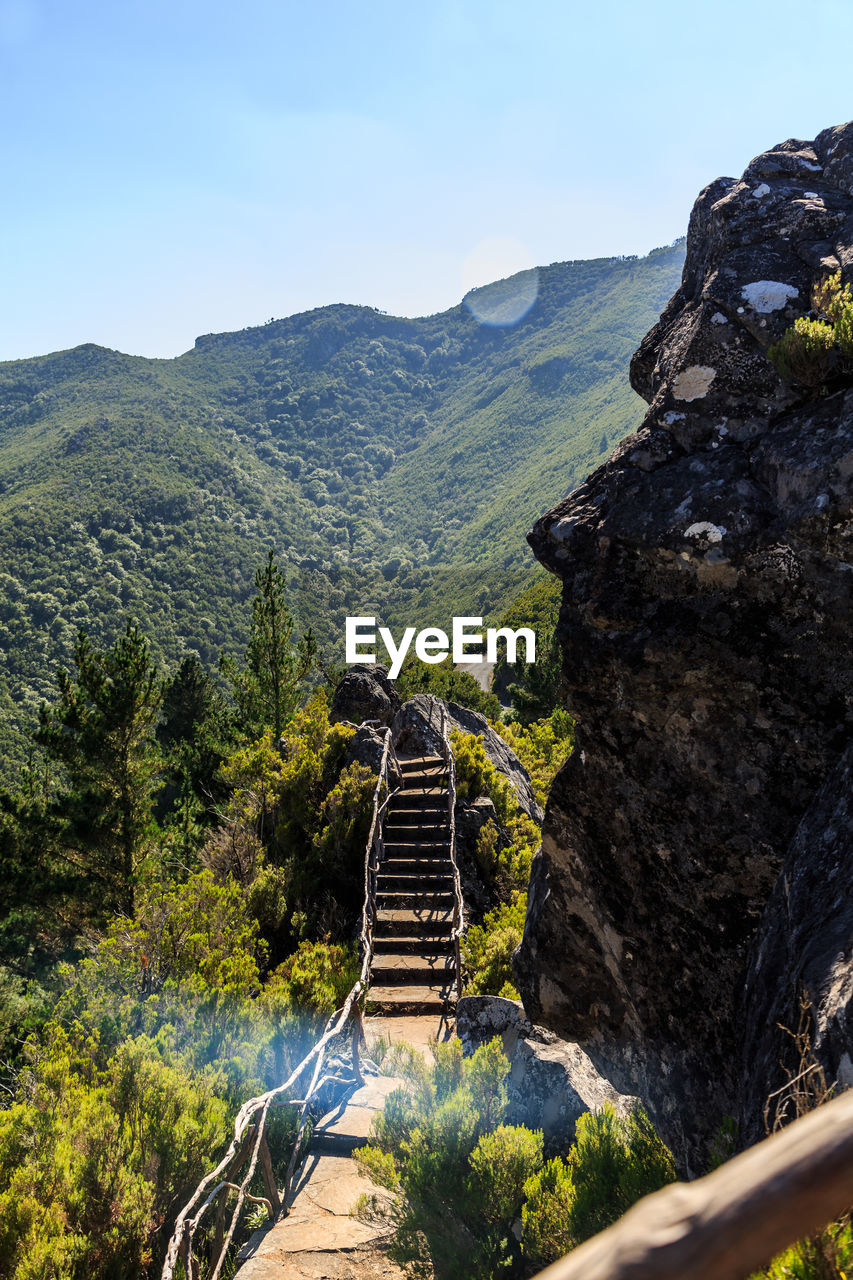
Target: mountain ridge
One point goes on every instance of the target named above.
(394, 464)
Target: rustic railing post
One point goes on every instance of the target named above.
(269, 1177)
(458, 902)
(358, 1039)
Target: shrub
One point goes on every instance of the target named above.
(814, 347)
(542, 747)
(420, 1151)
(94, 1163)
(806, 352)
(317, 978)
(614, 1161)
(487, 950)
(827, 1256)
(546, 1232)
(459, 1178)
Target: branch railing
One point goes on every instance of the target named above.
(458, 901)
(249, 1141)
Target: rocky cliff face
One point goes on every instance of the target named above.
(706, 633)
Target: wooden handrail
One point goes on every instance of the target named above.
(734, 1221)
(180, 1244)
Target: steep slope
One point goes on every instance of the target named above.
(393, 464)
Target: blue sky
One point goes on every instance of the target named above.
(174, 168)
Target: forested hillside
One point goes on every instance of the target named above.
(394, 465)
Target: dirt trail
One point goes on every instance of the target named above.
(318, 1240)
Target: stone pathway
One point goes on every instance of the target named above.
(318, 1240)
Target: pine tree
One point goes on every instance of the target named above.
(101, 733)
(267, 687)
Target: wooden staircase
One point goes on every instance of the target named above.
(414, 966)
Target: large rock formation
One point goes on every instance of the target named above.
(365, 693)
(705, 625)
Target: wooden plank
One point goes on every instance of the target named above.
(732, 1222)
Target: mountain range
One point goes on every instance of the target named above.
(393, 464)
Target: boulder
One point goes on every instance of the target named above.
(365, 693)
(416, 728)
(366, 747)
(552, 1082)
(501, 755)
(705, 631)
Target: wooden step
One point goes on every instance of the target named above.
(417, 817)
(407, 921)
(415, 763)
(436, 900)
(422, 789)
(411, 970)
(441, 878)
(400, 1001)
(416, 866)
(428, 944)
(405, 844)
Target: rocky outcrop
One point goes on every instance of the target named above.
(705, 627)
(804, 947)
(501, 755)
(366, 747)
(365, 693)
(417, 729)
(551, 1082)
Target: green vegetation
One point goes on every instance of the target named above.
(505, 849)
(395, 465)
(827, 1256)
(460, 1178)
(443, 681)
(819, 349)
(182, 889)
(533, 688)
(267, 687)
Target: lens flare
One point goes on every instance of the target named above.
(506, 283)
(506, 301)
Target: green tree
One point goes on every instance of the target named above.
(101, 733)
(266, 688)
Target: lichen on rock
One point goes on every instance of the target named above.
(705, 626)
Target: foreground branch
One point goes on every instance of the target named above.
(734, 1221)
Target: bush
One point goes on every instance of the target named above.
(806, 352)
(542, 746)
(545, 1231)
(487, 950)
(459, 1178)
(614, 1162)
(94, 1163)
(827, 1256)
(316, 979)
(815, 347)
(505, 857)
(420, 1151)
